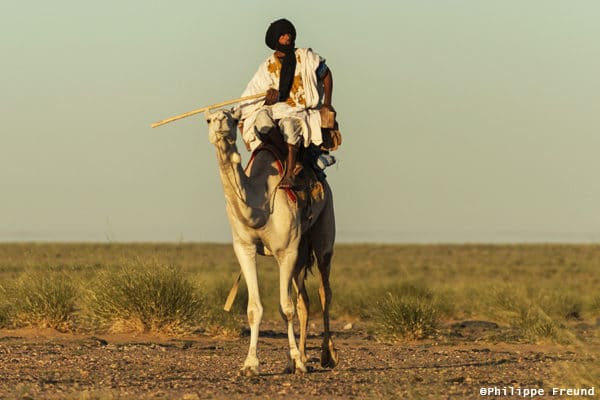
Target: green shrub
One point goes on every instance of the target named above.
(44, 299)
(410, 312)
(144, 298)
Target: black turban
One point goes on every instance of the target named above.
(288, 64)
(276, 29)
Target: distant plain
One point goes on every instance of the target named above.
(530, 296)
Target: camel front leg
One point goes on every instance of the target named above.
(246, 255)
(287, 261)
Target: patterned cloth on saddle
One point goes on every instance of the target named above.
(308, 177)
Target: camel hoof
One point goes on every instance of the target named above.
(301, 368)
(249, 371)
(304, 359)
(295, 367)
(329, 357)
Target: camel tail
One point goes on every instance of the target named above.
(307, 258)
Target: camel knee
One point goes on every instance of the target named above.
(286, 308)
(328, 293)
(255, 312)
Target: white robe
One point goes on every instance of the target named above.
(304, 103)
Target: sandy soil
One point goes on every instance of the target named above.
(47, 364)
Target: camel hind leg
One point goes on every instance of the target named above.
(329, 357)
(302, 309)
(323, 238)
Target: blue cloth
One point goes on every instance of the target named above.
(322, 70)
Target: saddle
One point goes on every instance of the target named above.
(308, 178)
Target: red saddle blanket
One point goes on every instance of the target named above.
(308, 186)
(278, 157)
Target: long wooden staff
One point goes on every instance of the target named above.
(224, 103)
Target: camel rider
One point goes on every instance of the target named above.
(298, 83)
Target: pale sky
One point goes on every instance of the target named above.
(463, 121)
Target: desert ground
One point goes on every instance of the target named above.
(511, 318)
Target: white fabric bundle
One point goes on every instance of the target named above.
(267, 78)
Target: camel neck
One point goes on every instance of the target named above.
(240, 191)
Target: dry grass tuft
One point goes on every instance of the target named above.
(146, 298)
(584, 374)
(408, 313)
(5, 309)
(46, 300)
(537, 316)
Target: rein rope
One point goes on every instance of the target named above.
(236, 185)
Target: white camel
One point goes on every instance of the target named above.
(265, 221)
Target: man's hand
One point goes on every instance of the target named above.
(271, 97)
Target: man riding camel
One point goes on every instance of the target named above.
(298, 84)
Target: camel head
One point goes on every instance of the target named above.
(222, 132)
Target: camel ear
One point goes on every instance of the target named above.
(207, 115)
(236, 113)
